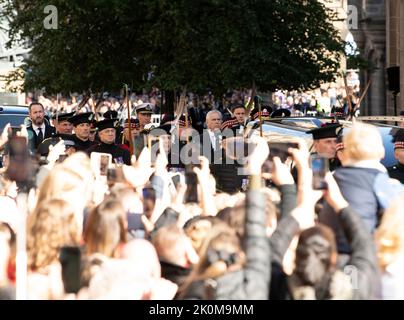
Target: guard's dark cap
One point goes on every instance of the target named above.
(110, 114)
(399, 139)
(80, 118)
(63, 116)
(265, 113)
(134, 124)
(280, 113)
(106, 124)
(144, 108)
(229, 124)
(68, 140)
(326, 131)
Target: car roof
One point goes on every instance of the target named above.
(15, 109)
(291, 128)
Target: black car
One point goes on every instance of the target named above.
(284, 129)
(15, 115)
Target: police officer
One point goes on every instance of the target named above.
(82, 124)
(325, 142)
(397, 171)
(143, 114)
(107, 134)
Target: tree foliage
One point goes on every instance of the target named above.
(198, 44)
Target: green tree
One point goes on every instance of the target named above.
(93, 46)
(176, 44)
(288, 44)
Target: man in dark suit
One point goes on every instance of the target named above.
(39, 129)
(197, 117)
(225, 171)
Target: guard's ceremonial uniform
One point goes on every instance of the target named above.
(68, 140)
(119, 154)
(333, 130)
(82, 145)
(397, 171)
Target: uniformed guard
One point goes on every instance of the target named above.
(265, 113)
(68, 140)
(238, 120)
(62, 124)
(107, 134)
(325, 142)
(143, 114)
(123, 139)
(82, 124)
(397, 171)
(113, 114)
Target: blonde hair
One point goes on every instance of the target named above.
(363, 142)
(390, 234)
(74, 172)
(51, 226)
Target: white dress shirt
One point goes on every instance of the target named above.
(42, 128)
(212, 139)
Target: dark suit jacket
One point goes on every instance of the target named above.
(33, 142)
(197, 118)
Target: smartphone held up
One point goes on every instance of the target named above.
(280, 150)
(191, 180)
(100, 162)
(320, 168)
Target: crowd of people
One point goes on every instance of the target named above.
(119, 210)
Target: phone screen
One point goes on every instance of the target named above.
(19, 169)
(70, 259)
(62, 158)
(12, 131)
(104, 162)
(191, 194)
(280, 150)
(115, 175)
(319, 166)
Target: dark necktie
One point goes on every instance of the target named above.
(40, 135)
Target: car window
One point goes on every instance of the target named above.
(387, 138)
(278, 133)
(389, 159)
(14, 119)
